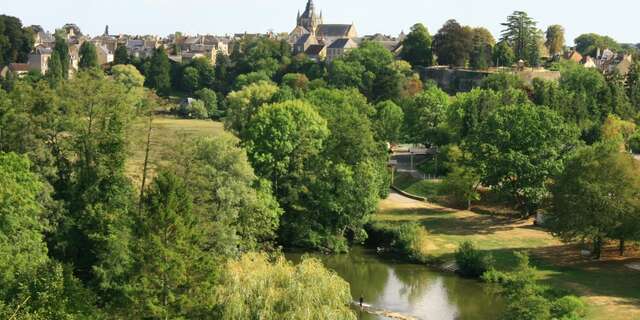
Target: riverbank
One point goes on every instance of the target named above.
(610, 288)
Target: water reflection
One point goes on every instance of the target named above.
(411, 289)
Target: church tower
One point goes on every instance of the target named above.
(309, 19)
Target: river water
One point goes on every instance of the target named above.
(410, 289)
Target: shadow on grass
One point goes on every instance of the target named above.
(563, 267)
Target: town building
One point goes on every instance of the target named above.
(311, 31)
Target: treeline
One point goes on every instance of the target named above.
(79, 240)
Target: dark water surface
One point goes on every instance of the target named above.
(410, 289)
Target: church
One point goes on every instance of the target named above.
(311, 33)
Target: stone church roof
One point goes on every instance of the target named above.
(333, 30)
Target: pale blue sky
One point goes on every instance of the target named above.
(619, 19)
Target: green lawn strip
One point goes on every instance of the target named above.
(423, 188)
(447, 229)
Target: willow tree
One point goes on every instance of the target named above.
(252, 287)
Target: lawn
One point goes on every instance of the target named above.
(165, 132)
(611, 289)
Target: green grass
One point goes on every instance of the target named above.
(165, 132)
(611, 289)
(424, 188)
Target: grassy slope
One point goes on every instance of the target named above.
(165, 131)
(612, 290)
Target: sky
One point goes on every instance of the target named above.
(163, 17)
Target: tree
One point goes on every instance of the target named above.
(61, 49)
(589, 43)
(16, 42)
(174, 273)
(518, 148)
(54, 72)
(503, 54)
(121, 56)
(210, 100)
(251, 286)
(369, 68)
(555, 39)
(281, 140)
(127, 75)
(633, 85)
(521, 34)
(241, 213)
(596, 197)
(97, 195)
(242, 105)
(452, 44)
(88, 56)
(425, 114)
(416, 47)
(190, 79)
(388, 121)
(618, 131)
(463, 183)
(33, 286)
(158, 75)
(481, 52)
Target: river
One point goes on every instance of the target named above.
(410, 289)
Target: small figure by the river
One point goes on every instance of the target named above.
(361, 301)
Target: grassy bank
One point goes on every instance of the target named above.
(611, 289)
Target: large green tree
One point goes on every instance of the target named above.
(32, 286)
(369, 68)
(416, 47)
(590, 43)
(242, 105)
(121, 56)
(425, 116)
(597, 197)
(388, 122)
(521, 34)
(453, 43)
(503, 55)
(555, 39)
(158, 73)
(482, 50)
(518, 148)
(61, 49)
(88, 56)
(15, 41)
(174, 273)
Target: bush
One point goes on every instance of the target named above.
(568, 308)
(472, 262)
(404, 239)
(193, 110)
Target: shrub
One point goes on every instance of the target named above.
(405, 239)
(194, 110)
(568, 308)
(472, 262)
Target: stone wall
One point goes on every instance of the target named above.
(463, 80)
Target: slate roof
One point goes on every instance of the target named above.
(342, 43)
(314, 49)
(333, 30)
(303, 39)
